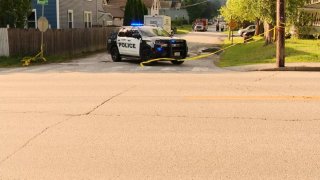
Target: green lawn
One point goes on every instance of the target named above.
(10, 61)
(256, 52)
(184, 29)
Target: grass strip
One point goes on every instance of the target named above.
(15, 61)
(297, 50)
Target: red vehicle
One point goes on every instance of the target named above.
(200, 25)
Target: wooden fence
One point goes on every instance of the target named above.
(58, 41)
(4, 45)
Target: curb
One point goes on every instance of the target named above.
(301, 68)
(307, 67)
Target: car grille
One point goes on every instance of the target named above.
(176, 48)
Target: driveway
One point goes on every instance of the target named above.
(102, 62)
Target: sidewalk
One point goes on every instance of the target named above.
(272, 67)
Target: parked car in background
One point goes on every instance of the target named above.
(250, 28)
(201, 24)
(198, 27)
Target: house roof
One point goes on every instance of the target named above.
(116, 12)
(148, 3)
(165, 4)
(117, 3)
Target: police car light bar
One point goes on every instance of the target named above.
(136, 24)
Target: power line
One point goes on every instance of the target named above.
(194, 4)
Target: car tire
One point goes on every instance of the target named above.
(146, 54)
(115, 55)
(176, 62)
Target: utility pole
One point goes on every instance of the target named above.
(281, 33)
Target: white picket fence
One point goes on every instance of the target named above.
(4, 42)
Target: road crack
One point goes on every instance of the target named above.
(105, 101)
(32, 139)
(58, 123)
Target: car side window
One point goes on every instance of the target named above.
(135, 33)
(129, 33)
(122, 33)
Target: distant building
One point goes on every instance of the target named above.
(314, 9)
(115, 10)
(173, 9)
(63, 14)
(50, 12)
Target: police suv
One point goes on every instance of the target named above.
(146, 42)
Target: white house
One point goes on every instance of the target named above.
(314, 9)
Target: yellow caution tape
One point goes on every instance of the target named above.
(204, 55)
(26, 61)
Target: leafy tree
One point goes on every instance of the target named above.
(207, 9)
(14, 12)
(261, 11)
(134, 12)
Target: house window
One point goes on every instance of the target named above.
(70, 19)
(87, 19)
(32, 19)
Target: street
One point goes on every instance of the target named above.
(95, 119)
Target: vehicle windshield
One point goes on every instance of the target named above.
(152, 32)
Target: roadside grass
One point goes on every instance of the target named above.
(184, 29)
(297, 50)
(8, 62)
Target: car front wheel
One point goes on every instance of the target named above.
(146, 54)
(115, 55)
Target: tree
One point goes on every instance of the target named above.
(14, 12)
(134, 12)
(261, 11)
(197, 9)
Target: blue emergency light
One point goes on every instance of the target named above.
(173, 41)
(136, 24)
(159, 49)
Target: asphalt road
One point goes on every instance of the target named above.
(230, 125)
